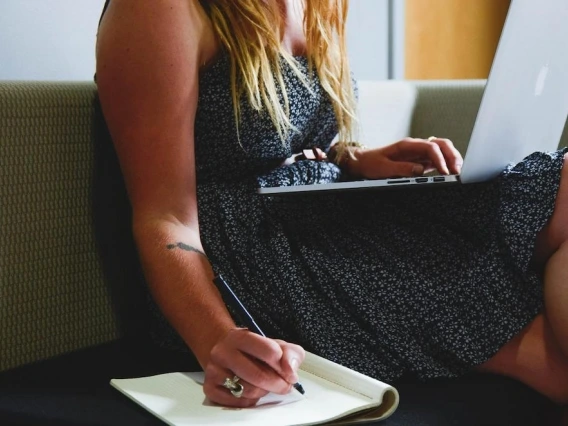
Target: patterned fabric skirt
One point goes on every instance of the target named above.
(429, 282)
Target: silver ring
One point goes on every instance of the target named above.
(236, 388)
(231, 383)
(238, 391)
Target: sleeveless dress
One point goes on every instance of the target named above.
(427, 282)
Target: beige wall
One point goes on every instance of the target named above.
(452, 39)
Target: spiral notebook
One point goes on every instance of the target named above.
(334, 395)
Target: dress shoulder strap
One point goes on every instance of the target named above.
(104, 10)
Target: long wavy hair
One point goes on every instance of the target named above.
(251, 32)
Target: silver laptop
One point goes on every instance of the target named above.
(524, 106)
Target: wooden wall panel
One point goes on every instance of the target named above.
(452, 39)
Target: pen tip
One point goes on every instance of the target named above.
(299, 388)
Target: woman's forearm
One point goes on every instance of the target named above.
(180, 278)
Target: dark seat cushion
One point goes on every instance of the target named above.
(74, 390)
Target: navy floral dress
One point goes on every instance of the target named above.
(426, 282)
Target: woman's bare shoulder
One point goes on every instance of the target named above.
(163, 20)
(149, 54)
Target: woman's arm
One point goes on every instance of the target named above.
(148, 59)
(148, 56)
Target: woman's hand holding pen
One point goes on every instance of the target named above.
(262, 365)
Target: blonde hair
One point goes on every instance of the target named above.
(251, 31)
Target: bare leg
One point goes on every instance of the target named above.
(556, 300)
(556, 296)
(534, 358)
(552, 252)
(538, 356)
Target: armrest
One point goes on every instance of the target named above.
(53, 297)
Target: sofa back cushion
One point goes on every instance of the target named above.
(53, 296)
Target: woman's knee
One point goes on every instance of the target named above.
(534, 358)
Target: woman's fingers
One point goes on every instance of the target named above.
(257, 360)
(217, 392)
(267, 351)
(437, 152)
(418, 150)
(292, 358)
(453, 157)
(260, 374)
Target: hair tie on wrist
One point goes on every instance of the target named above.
(340, 153)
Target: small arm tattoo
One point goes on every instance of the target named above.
(184, 247)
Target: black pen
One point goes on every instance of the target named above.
(233, 301)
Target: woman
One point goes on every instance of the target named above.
(206, 101)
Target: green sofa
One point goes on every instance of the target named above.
(72, 309)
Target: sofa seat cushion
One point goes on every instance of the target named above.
(74, 390)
